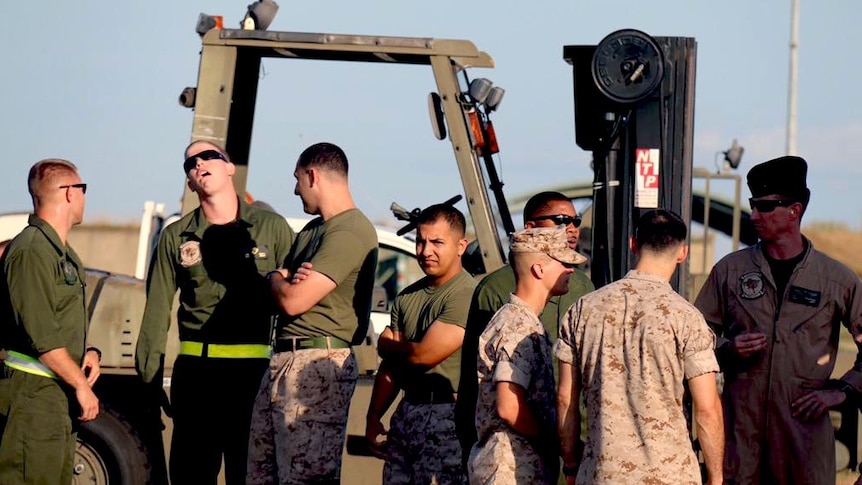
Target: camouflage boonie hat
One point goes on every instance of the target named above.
(552, 241)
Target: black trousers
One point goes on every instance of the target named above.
(212, 401)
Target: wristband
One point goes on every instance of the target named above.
(271, 273)
(96, 350)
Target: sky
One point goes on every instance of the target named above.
(97, 82)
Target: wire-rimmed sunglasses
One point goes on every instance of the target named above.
(205, 155)
(560, 219)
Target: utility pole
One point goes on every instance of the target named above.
(794, 78)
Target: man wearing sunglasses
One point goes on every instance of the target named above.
(217, 256)
(776, 308)
(46, 382)
(545, 209)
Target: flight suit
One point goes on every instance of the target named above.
(41, 309)
(225, 329)
(765, 444)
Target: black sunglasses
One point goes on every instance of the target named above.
(767, 205)
(192, 161)
(560, 219)
(83, 187)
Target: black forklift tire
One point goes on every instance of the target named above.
(110, 452)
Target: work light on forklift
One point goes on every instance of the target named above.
(479, 89)
(483, 92)
(494, 98)
(208, 22)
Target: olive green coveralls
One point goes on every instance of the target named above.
(765, 443)
(41, 309)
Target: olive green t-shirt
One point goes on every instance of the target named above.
(344, 249)
(42, 306)
(220, 272)
(418, 306)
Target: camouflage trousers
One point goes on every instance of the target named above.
(300, 417)
(507, 458)
(423, 447)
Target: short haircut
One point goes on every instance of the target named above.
(521, 262)
(540, 202)
(326, 156)
(47, 171)
(451, 215)
(659, 230)
(218, 147)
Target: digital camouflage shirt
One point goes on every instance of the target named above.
(635, 342)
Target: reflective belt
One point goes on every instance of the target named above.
(25, 363)
(225, 351)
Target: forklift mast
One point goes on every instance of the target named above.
(226, 92)
(634, 110)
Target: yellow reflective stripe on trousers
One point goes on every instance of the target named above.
(225, 351)
(25, 363)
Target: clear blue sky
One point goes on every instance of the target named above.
(97, 83)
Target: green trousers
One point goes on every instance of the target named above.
(37, 439)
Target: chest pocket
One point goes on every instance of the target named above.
(748, 315)
(199, 290)
(817, 323)
(70, 293)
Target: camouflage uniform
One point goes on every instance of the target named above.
(635, 341)
(764, 441)
(515, 348)
(305, 413)
(422, 446)
(490, 295)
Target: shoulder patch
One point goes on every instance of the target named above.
(70, 274)
(751, 285)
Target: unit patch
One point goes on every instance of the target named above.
(751, 285)
(190, 253)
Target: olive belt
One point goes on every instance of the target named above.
(30, 365)
(292, 344)
(225, 351)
